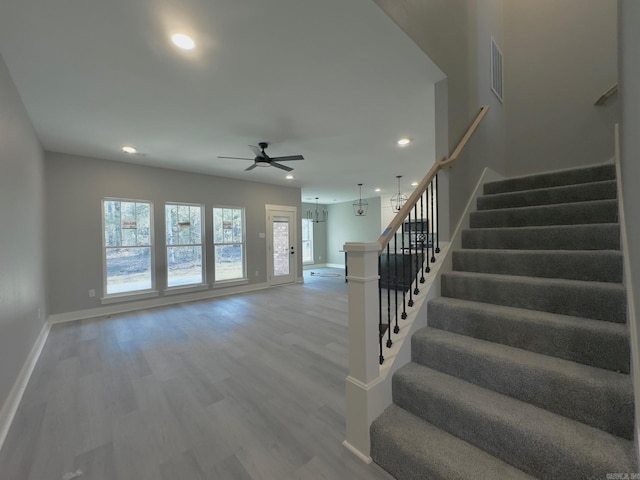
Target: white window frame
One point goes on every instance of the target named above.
(202, 246)
(244, 278)
(312, 261)
(138, 294)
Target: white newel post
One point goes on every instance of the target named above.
(364, 368)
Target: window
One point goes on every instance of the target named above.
(127, 246)
(307, 240)
(184, 245)
(228, 239)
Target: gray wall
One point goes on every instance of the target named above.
(319, 235)
(22, 289)
(559, 58)
(76, 187)
(343, 226)
(629, 18)
(456, 35)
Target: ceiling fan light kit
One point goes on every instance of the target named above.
(360, 206)
(261, 158)
(317, 215)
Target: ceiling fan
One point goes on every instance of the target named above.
(263, 160)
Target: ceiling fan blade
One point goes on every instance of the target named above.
(258, 152)
(281, 167)
(251, 167)
(237, 158)
(290, 157)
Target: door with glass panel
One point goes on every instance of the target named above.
(281, 246)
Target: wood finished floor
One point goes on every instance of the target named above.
(246, 387)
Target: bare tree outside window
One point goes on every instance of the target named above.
(229, 243)
(127, 246)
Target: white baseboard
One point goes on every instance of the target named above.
(11, 404)
(335, 265)
(154, 302)
(311, 266)
(365, 458)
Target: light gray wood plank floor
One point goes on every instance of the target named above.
(245, 387)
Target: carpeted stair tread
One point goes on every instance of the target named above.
(594, 396)
(412, 449)
(591, 342)
(531, 439)
(552, 195)
(553, 179)
(577, 213)
(587, 265)
(602, 236)
(526, 356)
(595, 300)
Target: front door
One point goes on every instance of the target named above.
(281, 245)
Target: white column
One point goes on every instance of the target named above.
(364, 367)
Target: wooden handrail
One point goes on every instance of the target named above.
(602, 99)
(397, 221)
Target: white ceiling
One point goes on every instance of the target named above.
(334, 80)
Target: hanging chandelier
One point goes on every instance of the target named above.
(399, 199)
(317, 215)
(360, 206)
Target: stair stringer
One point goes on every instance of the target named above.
(374, 397)
(634, 333)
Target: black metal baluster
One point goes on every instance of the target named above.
(433, 254)
(389, 283)
(380, 327)
(405, 279)
(427, 268)
(437, 218)
(416, 291)
(400, 283)
(396, 329)
(422, 236)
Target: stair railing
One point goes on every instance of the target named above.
(602, 99)
(383, 287)
(415, 230)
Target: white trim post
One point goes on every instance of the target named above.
(364, 367)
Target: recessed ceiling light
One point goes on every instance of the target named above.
(183, 41)
(377, 190)
(403, 142)
(128, 149)
(414, 184)
(289, 177)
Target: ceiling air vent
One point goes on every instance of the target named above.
(496, 70)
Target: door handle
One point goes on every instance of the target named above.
(292, 251)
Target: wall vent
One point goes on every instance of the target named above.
(496, 70)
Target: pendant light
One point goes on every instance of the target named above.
(317, 215)
(360, 206)
(399, 199)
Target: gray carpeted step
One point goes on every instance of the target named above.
(578, 213)
(591, 342)
(547, 196)
(531, 439)
(567, 177)
(596, 397)
(588, 265)
(411, 449)
(562, 237)
(595, 300)
(526, 356)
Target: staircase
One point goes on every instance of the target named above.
(523, 371)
